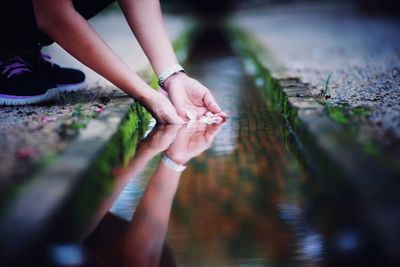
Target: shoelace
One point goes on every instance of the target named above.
(14, 66)
(46, 59)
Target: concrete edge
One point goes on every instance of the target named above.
(33, 209)
(325, 146)
(82, 174)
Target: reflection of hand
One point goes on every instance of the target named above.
(191, 141)
(160, 138)
(187, 94)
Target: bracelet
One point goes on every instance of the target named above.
(172, 164)
(174, 69)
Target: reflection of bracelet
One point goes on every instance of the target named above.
(174, 69)
(172, 164)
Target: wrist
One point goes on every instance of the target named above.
(146, 149)
(172, 164)
(168, 73)
(176, 78)
(147, 96)
(179, 159)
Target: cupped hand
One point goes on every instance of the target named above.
(189, 95)
(192, 141)
(161, 137)
(162, 109)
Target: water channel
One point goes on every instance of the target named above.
(245, 199)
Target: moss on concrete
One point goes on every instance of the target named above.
(309, 124)
(338, 114)
(99, 178)
(251, 52)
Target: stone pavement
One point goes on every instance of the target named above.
(360, 53)
(32, 136)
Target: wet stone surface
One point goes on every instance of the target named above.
(359, 51)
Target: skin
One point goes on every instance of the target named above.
(60, 21)
(140, 242)
(156, 142)
(145, 235)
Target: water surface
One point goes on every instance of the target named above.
(245, 201)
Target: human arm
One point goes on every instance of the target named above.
(145, 236)
(192, 141)
(146, 233)
(187, 94)
(157, 141)
(70, 30)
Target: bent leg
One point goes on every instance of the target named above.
(26, 76)
(18, 28)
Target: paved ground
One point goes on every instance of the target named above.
(30, 136)
(361, 52)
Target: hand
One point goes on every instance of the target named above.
(192, 141)
(162, 109)
(160, 138)
(187, 94)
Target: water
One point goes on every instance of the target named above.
(244, 201)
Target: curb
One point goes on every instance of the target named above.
(107, 141)
(65, 194)
(326, 147)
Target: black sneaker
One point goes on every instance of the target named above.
(65, 79)
(20, 85)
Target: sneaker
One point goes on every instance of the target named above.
(20, 85)
(65, 79)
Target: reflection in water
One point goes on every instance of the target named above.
(309, 243)
(245, 202)
(140, 241)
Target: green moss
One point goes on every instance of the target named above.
(349, 117)
(360, 112)
(306, 146)
(98, 179)
(371, 149)
(338, 115)
(326, 87)
(254, 55)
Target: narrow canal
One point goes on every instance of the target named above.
(244, 200)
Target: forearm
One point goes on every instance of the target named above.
(154, 208)
(68, 28)
(149, 224)
(145, 20)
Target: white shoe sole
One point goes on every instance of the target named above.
(10, 100)
(63, 88)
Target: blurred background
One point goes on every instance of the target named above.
(222, 6)
(253, 197)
